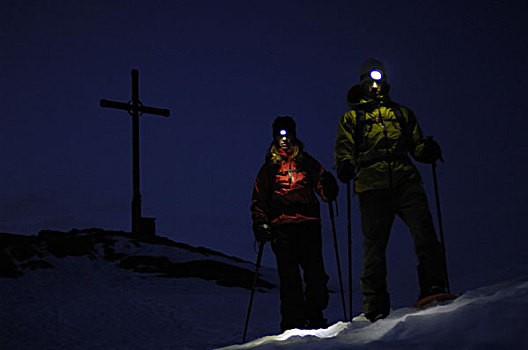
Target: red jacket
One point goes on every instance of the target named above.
(284, 191)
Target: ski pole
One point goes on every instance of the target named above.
(332, 220)
(439, 214)
(349, 233)
(254, 286)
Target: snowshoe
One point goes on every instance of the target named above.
(433, 300)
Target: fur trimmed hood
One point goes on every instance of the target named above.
(274, 155)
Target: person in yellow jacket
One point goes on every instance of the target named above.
(372, 147)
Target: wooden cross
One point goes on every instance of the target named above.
(135, 108)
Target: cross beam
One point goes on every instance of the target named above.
(135, 108)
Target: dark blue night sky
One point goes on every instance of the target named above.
(225, 69)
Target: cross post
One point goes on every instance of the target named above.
(135, 108)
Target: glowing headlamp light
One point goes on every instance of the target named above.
(283, 132)
(376, 75)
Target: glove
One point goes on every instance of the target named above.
(262, 231)
(431, 151)
(345, 172)
(329, 184)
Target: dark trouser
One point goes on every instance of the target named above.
(378, 209)
(299, 246)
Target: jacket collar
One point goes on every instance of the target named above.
(357, 99)
(286, 154)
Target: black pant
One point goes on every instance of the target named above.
(378, 209)
(299, 246)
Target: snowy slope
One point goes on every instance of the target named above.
(106, 290)
(92, 298)
(493, 317)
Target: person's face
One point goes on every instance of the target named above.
(284, 141)
(372, 88)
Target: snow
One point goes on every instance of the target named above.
(91, 302)
(489, 317)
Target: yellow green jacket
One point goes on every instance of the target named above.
(377, 136)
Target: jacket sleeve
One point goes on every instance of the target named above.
(261, 195)
(345, 146)
(416, 135)
(316, 170)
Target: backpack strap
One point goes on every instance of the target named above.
(359, 128)
(404, 125)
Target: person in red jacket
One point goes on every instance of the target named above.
(285, 211)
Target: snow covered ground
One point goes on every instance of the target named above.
(132, 294)
(493, 317)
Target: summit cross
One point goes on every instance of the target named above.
(135, 108)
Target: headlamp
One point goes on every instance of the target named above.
(283, 132)
(376, 75)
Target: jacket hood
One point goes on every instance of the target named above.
(356, 97)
